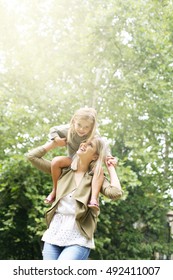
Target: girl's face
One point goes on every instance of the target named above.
(88, 149)
(82, 127)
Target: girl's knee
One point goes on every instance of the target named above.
(55, 161)
(60, 161)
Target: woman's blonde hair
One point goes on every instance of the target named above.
(87, 114)
(101, 149)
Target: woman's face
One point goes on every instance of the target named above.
(82, 127)
(88, 150)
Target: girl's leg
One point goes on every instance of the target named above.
(56, 165)
(97, 182)
(51, 252)
(74, 252)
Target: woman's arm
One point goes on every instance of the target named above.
(36, 155)
(113, 188)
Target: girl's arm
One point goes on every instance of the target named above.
(60, 131)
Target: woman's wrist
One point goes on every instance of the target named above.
(111, 168)
(50, 145)
(56, 139)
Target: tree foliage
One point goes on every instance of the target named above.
(57, 56)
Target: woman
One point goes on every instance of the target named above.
(71, 223)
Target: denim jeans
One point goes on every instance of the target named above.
(72, 252)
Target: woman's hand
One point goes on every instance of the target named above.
(111, 163)
(61, 142)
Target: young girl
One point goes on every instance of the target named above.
(82, 127)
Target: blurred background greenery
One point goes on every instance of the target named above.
(115, 56)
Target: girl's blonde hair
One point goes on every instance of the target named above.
(101, 149)
(87, 114)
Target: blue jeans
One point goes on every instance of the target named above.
(73, 252)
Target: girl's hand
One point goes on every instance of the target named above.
(111, 161)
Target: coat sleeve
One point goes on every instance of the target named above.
(60, 131)
(35, 156)
(112, 192)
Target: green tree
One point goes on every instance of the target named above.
(57, 56)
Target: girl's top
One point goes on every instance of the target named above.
(72, 146)
(62, 132)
